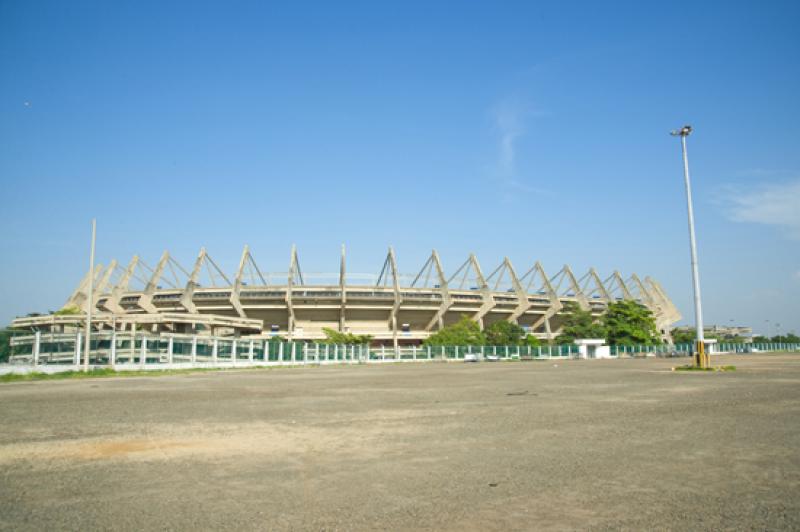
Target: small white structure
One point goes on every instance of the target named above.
(711, 346)
(593, 348)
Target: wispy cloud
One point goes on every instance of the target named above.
(776, 204)
(509, 119)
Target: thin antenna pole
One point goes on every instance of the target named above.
(90, 300)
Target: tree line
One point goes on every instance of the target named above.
(625, 323)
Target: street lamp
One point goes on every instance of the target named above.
(701, 359)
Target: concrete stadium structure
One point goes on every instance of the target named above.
(394, 309)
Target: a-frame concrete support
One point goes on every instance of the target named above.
(434, 265)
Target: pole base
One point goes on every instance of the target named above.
(701, 358)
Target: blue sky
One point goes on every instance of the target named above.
(533, 130)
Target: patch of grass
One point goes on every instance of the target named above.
(695, 368)
(108, 372)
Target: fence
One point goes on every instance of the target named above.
(687, 349)
(145, 351)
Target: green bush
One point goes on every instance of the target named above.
(464, 332)
(504, 333)
(340, 338)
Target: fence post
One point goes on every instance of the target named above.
(214, 351)
(293, 356)
(169, 350)
(250, 352)
(413, 352)
(194, 349)
(233, 351)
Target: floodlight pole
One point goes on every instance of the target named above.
(90, 301)
(701, 358)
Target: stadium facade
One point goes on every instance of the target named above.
(393, 308)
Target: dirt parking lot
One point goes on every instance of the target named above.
(507, 445)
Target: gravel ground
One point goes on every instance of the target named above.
(509, 445)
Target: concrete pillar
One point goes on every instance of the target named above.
(394, 333)
(143, 351)
(37, 339)
(280, 352)
(233, 351)
(293, 355)
(112, 358)
(250, 352)
(214, 351)
(133, 342)
(170, 345)
(194, 349)
(78, 338)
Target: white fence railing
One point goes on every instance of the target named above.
(146, 351)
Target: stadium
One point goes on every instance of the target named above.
(394, 309)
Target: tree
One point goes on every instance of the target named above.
(789, 338)
(464, 332)
(5, 344)
(630, 323)
(341, 338)
(689, 336)
(532, 341)
(504, 333)
(579, 323)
